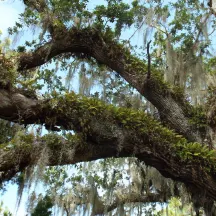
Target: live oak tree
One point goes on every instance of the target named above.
(172, 128)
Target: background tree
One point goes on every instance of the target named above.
(130, 109)
(43, 207)
(4, 211)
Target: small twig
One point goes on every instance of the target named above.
(159, 29)
(149, 61)
(67, 212)
(139, 27)
(211, 32)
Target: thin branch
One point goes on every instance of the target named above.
(200, 30)
(131, 198)
(139, 27)
(67, 211)
(159, 29)
(149, 61)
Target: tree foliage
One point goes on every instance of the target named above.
(43, 207)
(84, 89)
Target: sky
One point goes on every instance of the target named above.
(9, 11)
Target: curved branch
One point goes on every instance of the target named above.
(173, 109)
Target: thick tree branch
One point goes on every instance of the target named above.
(108, 132)
(172, 108)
